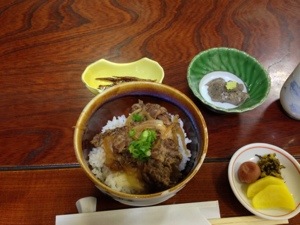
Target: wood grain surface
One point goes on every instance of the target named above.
(46, 45)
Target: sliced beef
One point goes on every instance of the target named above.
(160, 176)
(155, 111)
(166, 151)
(137, 106)
(119, 139)
(162, 170)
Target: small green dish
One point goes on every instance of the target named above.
(230, 64)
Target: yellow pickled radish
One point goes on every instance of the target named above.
(262, 183)
(274, 196)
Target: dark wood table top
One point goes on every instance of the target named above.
(46, 45)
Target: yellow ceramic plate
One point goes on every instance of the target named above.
(144, 69)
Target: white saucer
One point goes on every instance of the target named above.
(291, 175)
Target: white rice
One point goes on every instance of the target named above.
(118, 180)
(114, 123)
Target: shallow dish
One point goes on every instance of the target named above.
(230, 64)
(144, 68)
(116, 101)
(291, 175)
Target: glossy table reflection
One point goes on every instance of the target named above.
(46, 45)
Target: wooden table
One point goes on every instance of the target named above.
(46, 45)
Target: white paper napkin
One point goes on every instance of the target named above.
(177, 214)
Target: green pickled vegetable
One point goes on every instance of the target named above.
(270, 165)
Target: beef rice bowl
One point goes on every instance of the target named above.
(142, 143)
(142, 153)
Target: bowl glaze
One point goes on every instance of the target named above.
(103, 107)
(243, 66)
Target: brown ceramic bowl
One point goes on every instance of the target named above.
(116, 101)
